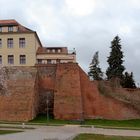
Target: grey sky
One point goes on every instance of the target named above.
(86, 25)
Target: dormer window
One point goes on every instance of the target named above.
(53, 50)
(10, 28)
(59, 50)
(48, 50)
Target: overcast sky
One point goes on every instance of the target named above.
(86, 25)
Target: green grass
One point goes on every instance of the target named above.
(98, 123)
(114, 123)
(42, 119)
(2, 132)
(103, 137)
(135, 124)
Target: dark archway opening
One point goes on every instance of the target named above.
(46, 104)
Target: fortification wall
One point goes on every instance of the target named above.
(20, 102)
(46, 84)
(67, 97)
(97, 105)
(71, 95)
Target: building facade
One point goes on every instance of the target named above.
(54, 55)
(20, 46)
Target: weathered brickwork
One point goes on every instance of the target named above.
(21, 102)
(46, 84)
(70, 94)
(97, 105)
(67, 97)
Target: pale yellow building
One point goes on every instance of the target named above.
(54, 55)
(18, 44)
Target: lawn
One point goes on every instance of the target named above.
(96, 122)
(103, 137)
(115, 123)
(2, 132)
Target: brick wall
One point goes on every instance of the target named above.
(67, 97)
(46, 86)
(73, 96)
(20, 103)
(97, 105)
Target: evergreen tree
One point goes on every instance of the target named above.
(128, 80)
(115, 60)
(95, 72)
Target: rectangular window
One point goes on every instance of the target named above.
(10, 59)
(22, 59)
(39, 61)
(49, 61)
(59, 50)
(22, 42)
(0, 59)
(10, 28)
(0, 29)
(53, 50)
(0, 43)
(10, 43)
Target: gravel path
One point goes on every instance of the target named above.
(66, 132)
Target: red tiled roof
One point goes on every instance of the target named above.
(8, 22)
(41, 50)
(13, 22)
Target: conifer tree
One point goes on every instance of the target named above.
(128, 80)
(115, 60)
(95, 72)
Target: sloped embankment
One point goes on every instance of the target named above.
(128, 96)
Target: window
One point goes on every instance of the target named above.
(53, 50)
(10, 59)
(39, 61)
(22, 42)
(57, 60)
(10, 28)
(49, 61)
(0, 59)
(0, 29)
(10, 43)
(0, 43)
(22, 59)
(59, 50)
(48, 50)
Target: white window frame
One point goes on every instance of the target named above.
(22, 59)
(10, 42)
(22, 42)
(10, 28)
(10, 59)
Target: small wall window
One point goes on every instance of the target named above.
(48, 50)
(0, 59)
(22, 42)
(49, 61)
(53, 50)
(10, 28)
(22, 59)
(10, 43)
(0, 29)
(10, 59)
(57, 60)
(59, 50)
(39, 61)
(0, 43)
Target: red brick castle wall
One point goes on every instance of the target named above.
(74, 96)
